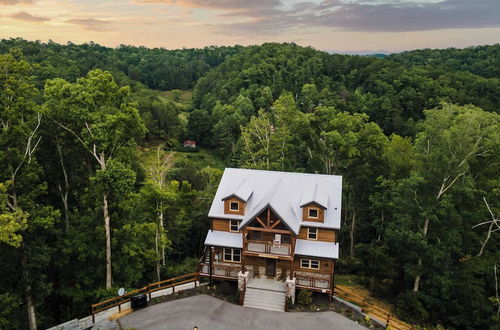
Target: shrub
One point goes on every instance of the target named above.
(410, 308)
(304, 298)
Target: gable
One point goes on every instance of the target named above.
(267, 219)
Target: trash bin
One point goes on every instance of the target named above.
(139, 301)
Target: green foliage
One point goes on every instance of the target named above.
(414, 135)
(481, 60)
(188, 265)
(198, 128)
(11, 222)
(304, 298)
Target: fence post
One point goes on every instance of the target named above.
(93, 315)
(388, 320)
(149, 292)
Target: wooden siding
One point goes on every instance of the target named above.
(284, 265)
(305, 213)
(227, 208)
(220, 224)
(325, 235)
(325, 265)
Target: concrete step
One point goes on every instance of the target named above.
(265, 299)
(265, 302)
(276, 299)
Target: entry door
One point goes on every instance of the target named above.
(270, 267)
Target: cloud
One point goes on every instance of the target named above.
(92, 24)
(393, 16)
(14, 2)
(27, 17)
(216, 4)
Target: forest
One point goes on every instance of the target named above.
(97, 193)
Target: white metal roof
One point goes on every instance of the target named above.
(284, 192)
(317, 249)
(315, 194)
(224, 239)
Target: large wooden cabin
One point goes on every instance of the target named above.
(275, 225)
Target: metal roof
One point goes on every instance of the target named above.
(284, 192)
(315, 194)
(317, 249)
(224, 239)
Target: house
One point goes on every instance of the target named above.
(189, 144)
(274, 225)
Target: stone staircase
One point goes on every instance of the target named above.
(265, 294)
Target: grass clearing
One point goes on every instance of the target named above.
(148, 154)
(181, 98)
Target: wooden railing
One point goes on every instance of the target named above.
(372, 310)
(315, 282)
(221, 269)
(268, 247)
(148, 289)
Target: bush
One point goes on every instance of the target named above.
(410, 308)
(304, 298)
(187, 266)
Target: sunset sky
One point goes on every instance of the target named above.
(341, 25)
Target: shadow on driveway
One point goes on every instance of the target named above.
(209, 313)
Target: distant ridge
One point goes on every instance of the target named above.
(363, 52)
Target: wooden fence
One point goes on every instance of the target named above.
(372, 310)
(148, 289)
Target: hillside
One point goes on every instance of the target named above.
(415, 136)
(483, 61)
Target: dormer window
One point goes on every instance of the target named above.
(235, 206)
(313, 212)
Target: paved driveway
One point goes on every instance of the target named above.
(209, 313)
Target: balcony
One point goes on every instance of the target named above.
(220, 270)
(264, 247)
(317, 282)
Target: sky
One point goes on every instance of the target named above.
(334, 25)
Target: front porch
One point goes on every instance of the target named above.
(266, 284)
(258, 278)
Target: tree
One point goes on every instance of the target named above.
(27, 222)
(198, 127)
(12, 222)
(158, 194)
(264, 146)
(451, 138)
(101, 117)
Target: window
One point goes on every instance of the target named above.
(312, 233)
(313, 213)
(233, 255)
(234, 206)
(233, 225)
(309, 263)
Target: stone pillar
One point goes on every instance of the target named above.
(290, 288)
(242, 285)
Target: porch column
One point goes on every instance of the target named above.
(243, 266)
(211, 250)
(290, 288)
(242, 285)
